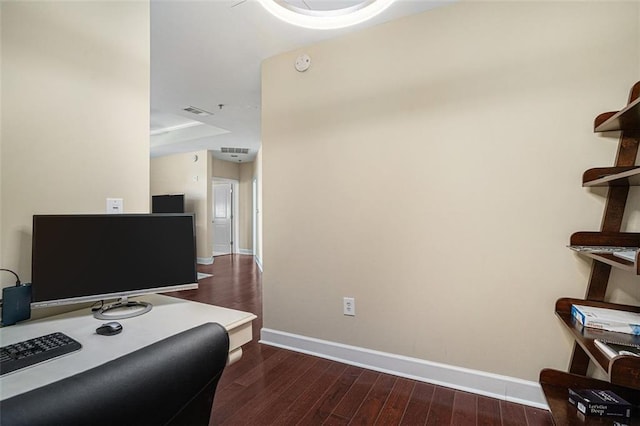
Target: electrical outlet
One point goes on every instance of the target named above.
(349, 306)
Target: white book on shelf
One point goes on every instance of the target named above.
(629, 255)
(607, 319)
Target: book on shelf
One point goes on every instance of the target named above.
(628, 255)
(603, 249)
(607, 319)
(614, 349)
(599, 403)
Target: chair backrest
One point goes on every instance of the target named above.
(172, 381)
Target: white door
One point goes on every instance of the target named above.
(222, 219)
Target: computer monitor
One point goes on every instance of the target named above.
(85, 258)
(167, 203)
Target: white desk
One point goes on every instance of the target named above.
(169, 316)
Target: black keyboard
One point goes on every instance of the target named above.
(34, 351)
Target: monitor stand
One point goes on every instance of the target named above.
(123, 308)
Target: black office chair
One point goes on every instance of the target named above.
(171, 382)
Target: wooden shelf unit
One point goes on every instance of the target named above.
(618, 368)
(627, 119)
(623, 372)
(612, 176)
(609, 239)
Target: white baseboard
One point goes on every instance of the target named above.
(245, 251)
(205, 260)
(479, 382)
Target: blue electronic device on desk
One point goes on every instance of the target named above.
(16, 302)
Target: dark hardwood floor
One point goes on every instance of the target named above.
(272, 386)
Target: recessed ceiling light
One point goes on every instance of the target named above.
(325, 19)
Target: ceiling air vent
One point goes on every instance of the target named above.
(197, 111)
(234, 150)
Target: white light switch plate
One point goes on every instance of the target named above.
(114, 205)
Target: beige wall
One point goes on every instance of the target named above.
(441, 179)
(180, 174)
(225, 169)
(75, 114)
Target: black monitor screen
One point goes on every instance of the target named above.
(167, 203)
(94, 257)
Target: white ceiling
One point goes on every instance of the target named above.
(207, 54)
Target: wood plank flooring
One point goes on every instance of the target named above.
(272, 386)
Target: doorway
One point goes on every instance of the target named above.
(224, 213)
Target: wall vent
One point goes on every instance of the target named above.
(197, 111)
(234, 150)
